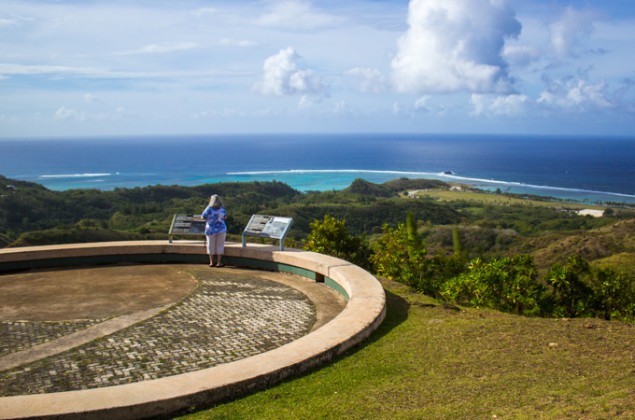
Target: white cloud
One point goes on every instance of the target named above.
(25, 69)
(90, 98)
(224, 113)
(162, 48)
(71, 114)
(307, 102)
(454, 45)
(227, 42)
(567, 34)
(281, 76)
(14, 20)
(369, 80)
(421, 104)
(299, 15)
(64, 113)
(577, 94)
(55, 71)
(499, 105)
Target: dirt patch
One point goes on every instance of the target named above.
(90, 293)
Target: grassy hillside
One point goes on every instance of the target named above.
(595, 244)
(500, 199)
(429, 361)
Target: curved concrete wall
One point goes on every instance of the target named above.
(363, 314)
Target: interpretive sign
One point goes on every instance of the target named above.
(186, 224)
(268, 227)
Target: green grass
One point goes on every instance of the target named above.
(428, 361)
(498, 199)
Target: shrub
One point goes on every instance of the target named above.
(332, 238)
(508, 284)
(614, 295)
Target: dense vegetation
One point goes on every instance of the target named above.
(510, 256)
(33, 215)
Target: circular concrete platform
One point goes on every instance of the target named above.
(108, 363)
(214, 316)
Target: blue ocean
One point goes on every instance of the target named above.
(585, 169)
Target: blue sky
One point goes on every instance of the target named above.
(428, 66)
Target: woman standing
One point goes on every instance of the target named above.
(215, 229)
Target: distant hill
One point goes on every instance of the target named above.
(405, 184)
(363, 187)
(595, 244)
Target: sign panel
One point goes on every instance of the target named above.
(268, 227)
(187, 224)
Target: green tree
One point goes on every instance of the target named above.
(457, 241)
(396, 258)
(332, 238)
(414, 239)
(572, 296)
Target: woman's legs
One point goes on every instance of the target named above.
(210, 248)
(219, 247)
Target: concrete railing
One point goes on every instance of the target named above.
(364, 312)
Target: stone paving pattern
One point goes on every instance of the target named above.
(228, 317)
(22, 335)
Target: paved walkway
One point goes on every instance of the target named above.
(222, 316)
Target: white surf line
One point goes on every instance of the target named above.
(86, 175)
(453, 176)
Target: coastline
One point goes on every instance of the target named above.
(597, 169)
(305, 180)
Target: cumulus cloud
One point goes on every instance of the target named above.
(568, 33)
(369, 80)
(499, 105)
(281, 76)
(297, 15)
(455, 45)
(572, 94)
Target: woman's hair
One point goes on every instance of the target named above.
(215, 202)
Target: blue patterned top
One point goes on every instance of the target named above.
(215, 220)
